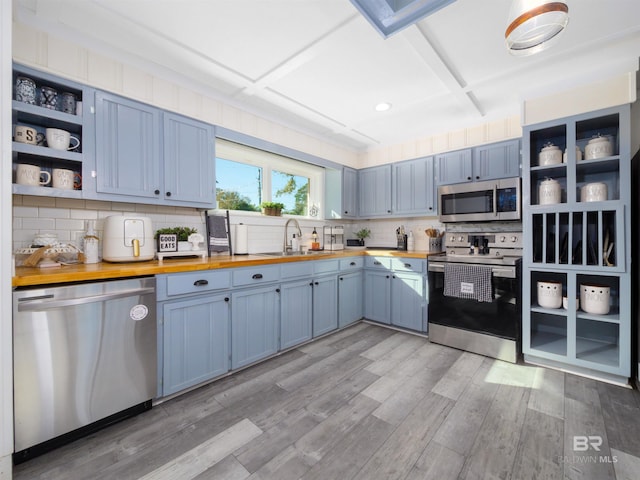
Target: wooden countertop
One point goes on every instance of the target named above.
(28, 276)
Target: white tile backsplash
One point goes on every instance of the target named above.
(68, 219)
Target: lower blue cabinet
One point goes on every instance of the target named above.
(296, 313)
(350, 306)
(377, 295)
(255, 315)
(408, 301)
(195, 341)
(325, 304)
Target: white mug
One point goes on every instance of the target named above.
(60, 139)
(66, 179)
(24, 134)
(31, 175)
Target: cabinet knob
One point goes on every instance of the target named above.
(430, 208)
(407, 265)
(316, 283)
(394, 276)
(311, 283)
(156, 191)
(200, 283)
(468, 178)
(168, 194)
(277, 290)
(387, 276)
(257, 276)
(477, 177)
(226, 299)
(345, 212)
(353, 264)
(388, 211)
(341, 278)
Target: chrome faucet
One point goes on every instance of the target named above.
(286, 245)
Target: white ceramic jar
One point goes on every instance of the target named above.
(598, 147)
(549, 155)
(595, 299)
(549, 192)
(578, 155)
(550, 294)
(594, 192)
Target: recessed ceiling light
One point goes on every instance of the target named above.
(383, 107)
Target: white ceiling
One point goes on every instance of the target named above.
(319, 66)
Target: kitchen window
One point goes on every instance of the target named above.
(247, 176)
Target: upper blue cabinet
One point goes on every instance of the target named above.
(374, 191)
(147, 156)
(413, 187)
(487, 162)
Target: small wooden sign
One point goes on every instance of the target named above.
(167, 242)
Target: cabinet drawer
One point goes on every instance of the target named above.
(326, 266)
(192, 282)
(353, 263)
(378, 262)
(296, 269)
(256, 275)
(408, 265)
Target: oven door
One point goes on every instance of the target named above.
(500, 318)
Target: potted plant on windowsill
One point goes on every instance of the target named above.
(272, 208)
(362, 234)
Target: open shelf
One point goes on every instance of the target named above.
(549, 333)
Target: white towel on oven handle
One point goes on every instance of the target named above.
(472, 282)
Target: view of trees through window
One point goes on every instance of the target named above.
(241, 186)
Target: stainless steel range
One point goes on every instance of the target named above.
(475, 292)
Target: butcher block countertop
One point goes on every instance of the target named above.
(30, 276)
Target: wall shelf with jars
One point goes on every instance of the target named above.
(577, 267)
(52, 131)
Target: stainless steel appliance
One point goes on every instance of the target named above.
(84, 357)
(333, 237)
(480, 201)
(475, 298)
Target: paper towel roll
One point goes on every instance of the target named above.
(241, 240)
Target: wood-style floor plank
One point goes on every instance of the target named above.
(368, 402)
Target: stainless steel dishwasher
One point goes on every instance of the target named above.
(84, 357)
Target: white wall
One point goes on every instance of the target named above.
(6, 352)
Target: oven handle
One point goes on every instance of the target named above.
(500, 272)
(495, 200)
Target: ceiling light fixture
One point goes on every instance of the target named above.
(535, 25)
(383, 107)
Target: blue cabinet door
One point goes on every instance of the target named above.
(377, 296)
(254, 325)
(350, 298)
(374, 191)
(408, 301)
(128, 143)
(195, 341)
(188, 161)
(325, 304)
(413, 187)
(454, 167)
(498, 160)
(349, 193)
(296, 310)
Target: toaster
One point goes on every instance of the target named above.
(127, 238)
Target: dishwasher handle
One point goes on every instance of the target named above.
(47, 302)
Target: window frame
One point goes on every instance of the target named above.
(268, 161)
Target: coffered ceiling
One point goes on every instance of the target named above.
(319, 66)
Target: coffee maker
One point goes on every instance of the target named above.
(333, 237)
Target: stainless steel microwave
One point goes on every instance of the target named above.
(480, 201)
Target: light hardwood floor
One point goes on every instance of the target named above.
(370, 403)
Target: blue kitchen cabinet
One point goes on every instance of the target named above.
(128, 149)
(188, 161)
(414, 188)
(374, 191)
(349, 192)
(296, 312)
(255, 321)
(408, 301)
(486, 162)
(341, 192)
(350, 298)
(195, 341)
(377, 296)
(144, 155)
(325, 304)
(497, 160)
(454, 167)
